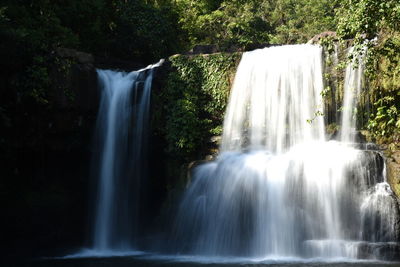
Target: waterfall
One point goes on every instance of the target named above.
(379, 206)
(276, 91)
(353, 84)
(278, 188)
(122, 127)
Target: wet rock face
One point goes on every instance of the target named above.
(393, 172)
(379, 251)
(204, 49)
(371, 163)
(319, 36)
(81, 57)
(48, 152)
(380, 215)
(74, 81)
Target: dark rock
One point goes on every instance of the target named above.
(74, 82)
(255, 46)
(365, 251)
(319, 36)
(334, 135)
(387, 252)
(204, 49)
(215, 141)
(381, 216)
(393, 172)
(234, 49)
(210, 157)
(80, 57)
(117, 64)
(357, 136)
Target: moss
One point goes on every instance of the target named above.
(384, 90)
(63, 68)
(195, 98)
(332, 128)
(334, 54)
(393, 174)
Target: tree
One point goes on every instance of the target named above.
(297, 21)
(240, 22)
(379, 20)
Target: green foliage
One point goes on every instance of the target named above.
(361, 19)
(297, 21)
(144, 31)
(239, 22)
(328, 43)
(385, 122)
(195, 100)
(225, 23)
(31, 31)
(316, 115)
(367, 19)
(332, 128)
(38, 81)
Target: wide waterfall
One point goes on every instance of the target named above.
(122, 127)
(279, 188)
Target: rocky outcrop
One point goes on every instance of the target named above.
(80, 57)
(379, 251)
(74, 81)
(204, 49)
(393, 171)
(46, 169)
(317, 38)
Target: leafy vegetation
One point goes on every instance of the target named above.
(191, 104)
(145, 30)
(196, 96)
(238, 23)
(31, 32)
(141, 30)
(379, 20)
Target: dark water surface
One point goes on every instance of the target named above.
(167, 261)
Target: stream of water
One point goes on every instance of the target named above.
(279, 192)
(278, 188)
(122, 132)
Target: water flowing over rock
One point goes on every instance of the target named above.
(278, 188)
(121, 163)
(353, 84)
(276, 92)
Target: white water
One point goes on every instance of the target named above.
(278, 189)
(122, 131)
(353, 85)
(276, 91)
(379, 207)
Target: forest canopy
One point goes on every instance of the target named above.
(146, 30)
(150, 29)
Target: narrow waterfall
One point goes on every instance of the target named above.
(379, 206)
(353, 84)
(122, 127)
(278, 188)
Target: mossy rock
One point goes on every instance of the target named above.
(393, 172)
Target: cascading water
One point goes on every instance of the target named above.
(276, 91)
(353, 84)
(379, 206)
(278, 188)
(122, 131)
